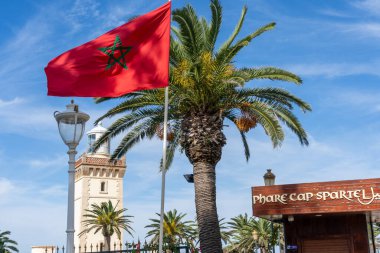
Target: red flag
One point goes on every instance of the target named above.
(131, 57)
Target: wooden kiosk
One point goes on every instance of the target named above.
(327, 217)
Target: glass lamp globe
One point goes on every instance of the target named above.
(71, 124)
(269, 178)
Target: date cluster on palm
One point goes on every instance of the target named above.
(246, 123)
(160, 133)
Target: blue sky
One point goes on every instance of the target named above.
(333, 45)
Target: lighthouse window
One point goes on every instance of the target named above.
(91, 141)
(103, 187)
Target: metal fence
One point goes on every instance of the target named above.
(127, 248)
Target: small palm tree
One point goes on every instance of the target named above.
(242, 236)
(265, 239)
(176, 230)
(250, 233)
(107, 219)
(7, 245)
(206, 89)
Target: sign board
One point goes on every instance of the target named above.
(324, 197)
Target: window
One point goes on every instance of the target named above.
(91, 141)
(103, 187)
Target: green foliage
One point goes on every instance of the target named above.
(175, 229)
(107, 219)
(7, 245)
(203, 79)
(249, 233)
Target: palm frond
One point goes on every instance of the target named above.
(134, 136)
(293, 124)
(126, 96)
(132, 104)
(272, 95)
(236, 31)
(170, 150)
(126, 122)
(216, 21)
(232, 118)
(270, 73)
(190, 30)
(268, 120)
(229, 53)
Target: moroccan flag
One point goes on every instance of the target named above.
(131, 57)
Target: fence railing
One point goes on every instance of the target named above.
(126, 248)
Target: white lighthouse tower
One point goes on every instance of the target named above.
(96, 180)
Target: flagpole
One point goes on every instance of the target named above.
(163, 169)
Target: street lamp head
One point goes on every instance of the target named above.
(71, 124)
(269, 178)
(189, 178)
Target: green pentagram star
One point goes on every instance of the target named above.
(110, 51)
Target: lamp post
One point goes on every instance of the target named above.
(71, 124)
(269, 179)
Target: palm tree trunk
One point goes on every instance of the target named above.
(107, 243)
(202, 139)
(205, 196)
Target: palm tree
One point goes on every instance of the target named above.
(264, 234)
(176, 230)
(250, 233)
(107, 219)
(206, 89)
(242, 234)
(7, 245)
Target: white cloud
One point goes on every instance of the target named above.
(38, 223)
(81, 10)
(6, 186)
(334, 13)
(12, 102)
(370, 6)
(52, 162)
(22, 54)
(54, 191)
(84, 13)
(25, 207)
(293, 163)
(362, 30)
(332, 70)
(367, 102)
(25, 117)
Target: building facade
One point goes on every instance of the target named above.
(97, 180)
(323, 217)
